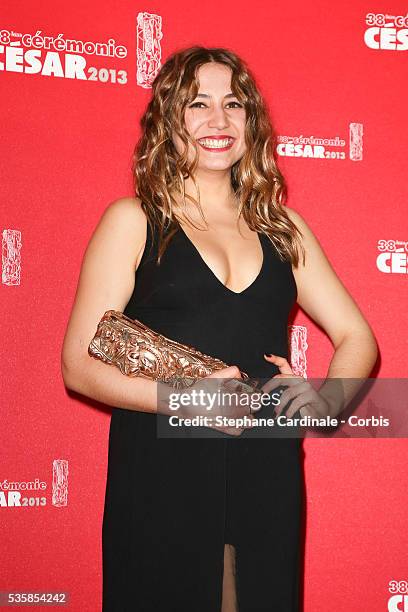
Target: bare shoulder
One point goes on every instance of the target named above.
(126, 210)
(321, 293)
(316, 260)
(293, 215)
(123, 225)
(107, 275)
(127, 204)
(302, 225)
(313, 249)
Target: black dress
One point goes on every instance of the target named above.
(172, 504)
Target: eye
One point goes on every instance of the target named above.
(233, 104)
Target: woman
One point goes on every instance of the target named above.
(206, 525)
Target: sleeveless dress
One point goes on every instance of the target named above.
(171, 504)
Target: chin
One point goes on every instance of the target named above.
(216, 165)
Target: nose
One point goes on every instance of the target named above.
(218, 118)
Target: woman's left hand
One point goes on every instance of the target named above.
(307, 400)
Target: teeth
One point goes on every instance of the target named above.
(215, 144)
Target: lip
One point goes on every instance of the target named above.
(217, 137)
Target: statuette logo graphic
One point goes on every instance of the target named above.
(149, 35)
(11, 257)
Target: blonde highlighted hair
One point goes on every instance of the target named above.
(159, 171)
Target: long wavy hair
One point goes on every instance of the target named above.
(159, 171)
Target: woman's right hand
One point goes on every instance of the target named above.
(229, 381)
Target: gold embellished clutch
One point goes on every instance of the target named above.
(138, 350)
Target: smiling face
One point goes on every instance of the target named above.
(215, 119)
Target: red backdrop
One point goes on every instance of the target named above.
(66, 153)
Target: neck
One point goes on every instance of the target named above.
(216, 193)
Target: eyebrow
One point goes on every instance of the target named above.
(229, 95)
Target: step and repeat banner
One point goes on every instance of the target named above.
(75, 80)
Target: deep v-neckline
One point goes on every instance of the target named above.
(215, 277)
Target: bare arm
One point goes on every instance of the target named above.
(106, 281)
(322, 295)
